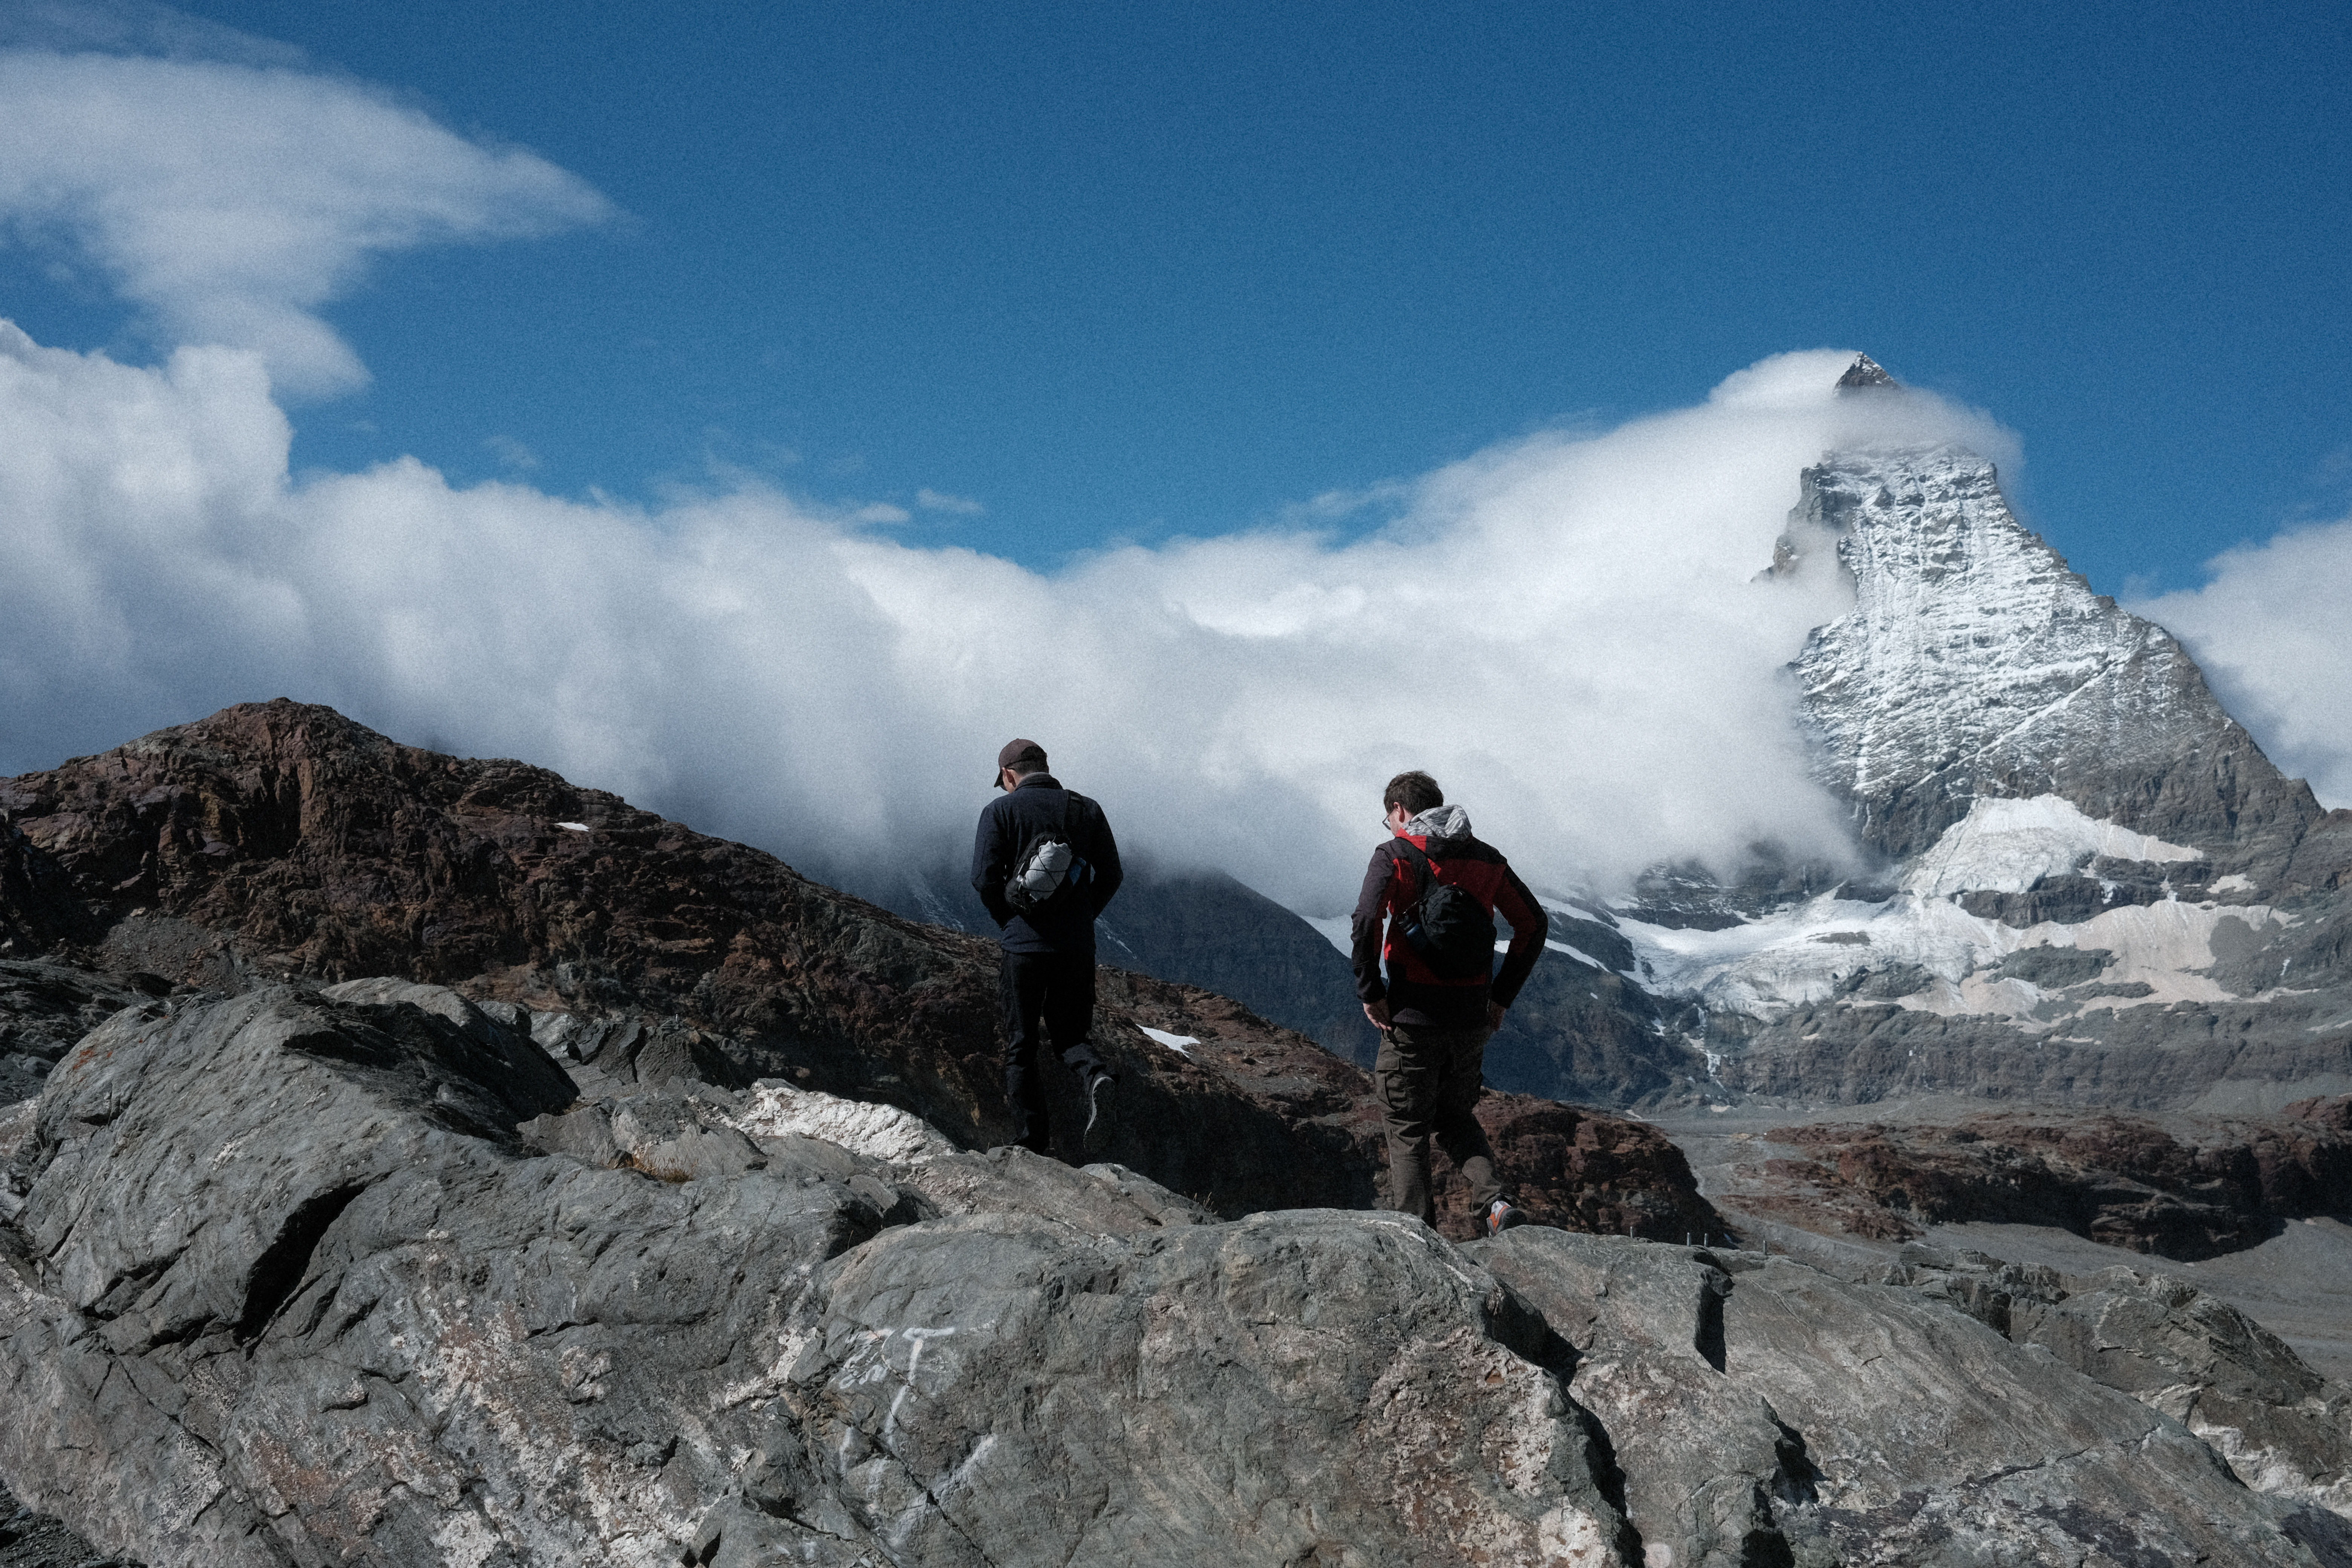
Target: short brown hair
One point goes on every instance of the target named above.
(1414, 790)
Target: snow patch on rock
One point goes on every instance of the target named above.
(1803, 955)
(1181, 1044)
(2008, 845)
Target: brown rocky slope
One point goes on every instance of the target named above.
(2182, 1187)
(279, 841)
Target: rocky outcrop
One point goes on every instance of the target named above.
(1765, 1412)
(30, 1538)
(288, 1289)
(286, 1294)
(2282, 1429)
(46, 1008)
(2190, 1190)
(277, 842)
(1600, 1172)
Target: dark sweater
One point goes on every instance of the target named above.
(1005, 825)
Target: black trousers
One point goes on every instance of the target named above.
(1055, 990)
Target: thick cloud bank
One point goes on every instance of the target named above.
(231, 201)
(1565, 630)
(2274, 635)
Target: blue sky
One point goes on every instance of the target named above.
(736, 407)
(1118, 272)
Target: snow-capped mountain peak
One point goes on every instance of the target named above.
(1975, 663)
(1865, 372)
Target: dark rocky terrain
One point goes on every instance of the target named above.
(2183, 1187)
(278, 842)
(30, 1538)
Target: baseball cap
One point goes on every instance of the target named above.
(1016, 753)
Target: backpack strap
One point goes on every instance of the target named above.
(1426, 869)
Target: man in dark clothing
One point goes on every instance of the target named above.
(1048, 974)
(1434, 1028)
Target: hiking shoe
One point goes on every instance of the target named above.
(1095, 1138)
(1501, 1216)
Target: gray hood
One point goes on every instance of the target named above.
(1441, 822)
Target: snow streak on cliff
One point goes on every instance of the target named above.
(1975, 663)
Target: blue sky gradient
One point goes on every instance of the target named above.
(1122, 273)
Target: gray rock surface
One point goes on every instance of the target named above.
(44, 1008)
(284, 1290)
(2282, 1427)
(29, 1539)
(370, 1278)
(1764, 1411)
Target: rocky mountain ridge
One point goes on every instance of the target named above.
(1976, 666)
(2181, 1187)
(276, 842)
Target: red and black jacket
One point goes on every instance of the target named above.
(1416, 995)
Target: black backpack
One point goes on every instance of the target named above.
(1446, 926)
(1049, 869)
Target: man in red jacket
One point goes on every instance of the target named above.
(1434, 1024)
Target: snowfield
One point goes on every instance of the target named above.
(1801, 954)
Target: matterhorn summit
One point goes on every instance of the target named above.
(2071, 850)
(1975, 663)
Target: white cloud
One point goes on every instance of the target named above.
(512, 453)
(231, 201)
(939, 500)
(1564, 630)
(2271, 630)
(135, 26)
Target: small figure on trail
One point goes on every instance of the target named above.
(1438, 891)
(1045, 863)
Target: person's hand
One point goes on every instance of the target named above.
(1493, 1017)
(1378, 1012)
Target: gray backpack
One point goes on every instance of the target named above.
(1048, 869)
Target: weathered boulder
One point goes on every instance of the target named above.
(2282, 1427)
(288, 1287)
(1762, 1411)
(1579, 1170)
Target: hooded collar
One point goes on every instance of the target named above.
(1440, 822)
